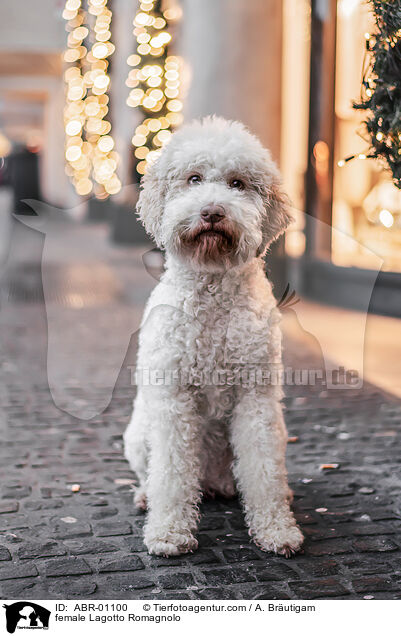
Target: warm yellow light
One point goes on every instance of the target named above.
(154, 125)
(72, 5)
(75, 93)
(92, 109)
(164, 136)
(141, 19)
(141, 167)
(80, 33)
(141, 130)
(73, 127)
(143, 38)
(137, 93)
(133, 60)
(73, 153)
(361, 156)
(159, 23)
(141, 152)
(386, 218)
(84, 187)
(156, 94)
(341, 163)
(71, 55)
(379, 136)
(174, 105)
(103, 36)
(154, 81)
(105, 144)
(149, 102)
(113, 186)
(100, 50)
(5, 146)
(171, 75)
(173, 14)
(101, 81)
(143, 49)
(68, 15)
(171, 92)
(138, 140)
(174, 119)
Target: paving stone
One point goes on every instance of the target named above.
(89, 546)
(321, 588)
(319, 568)
(375, 544)
(124, 583)
(19, 588)
(17, 571)
(66, 567)
(123, 564)
(16, 492)
(4, 554)
(202, 557)
(217, 577)
(220, 593)
(66, 589)
(237, 555)
(168, 562)
(374, 584)
(113, 528)
(267, 593)
(70, 530)
(274, 571)
(45, 549)
(103, 513)
(8, 506)
(212, 523)
(368, 564)
(319, 533)
(135, 544)
(176, 581)
(331, 546)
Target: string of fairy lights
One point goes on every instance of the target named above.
(89, 146)
(369, 85)
(155, 80)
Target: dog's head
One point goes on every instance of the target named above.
(213, 197)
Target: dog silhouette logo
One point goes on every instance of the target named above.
(26, 615)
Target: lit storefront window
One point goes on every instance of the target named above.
(366, 204)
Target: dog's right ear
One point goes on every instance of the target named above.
(150, 204)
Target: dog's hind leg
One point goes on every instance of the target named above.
(135, 449)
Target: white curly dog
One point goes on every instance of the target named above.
(213, 201)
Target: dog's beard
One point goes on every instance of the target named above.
(209, 245)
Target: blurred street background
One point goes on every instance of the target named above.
(78, 122)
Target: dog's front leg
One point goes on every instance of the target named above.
(258, 437)
(173, 488)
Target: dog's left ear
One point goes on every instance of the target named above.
(150, 204)
(277, 214)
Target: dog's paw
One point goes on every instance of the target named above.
(172, 544)
(285, 540)
(140, 500)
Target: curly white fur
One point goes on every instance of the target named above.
(213, 310)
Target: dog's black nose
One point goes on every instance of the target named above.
(212, 213)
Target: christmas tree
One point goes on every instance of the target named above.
(381, 86)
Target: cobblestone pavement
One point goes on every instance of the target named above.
(56, 543)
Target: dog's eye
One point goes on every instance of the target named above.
(237, 184)
(194, 179)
